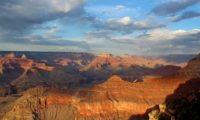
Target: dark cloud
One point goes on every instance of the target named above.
(187, 15)
(172, 7)
(191, 40)
(21, 14)
(44, 40)
(19, 19)
(99, 34)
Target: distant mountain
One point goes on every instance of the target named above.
(81, 68)
(178, 58)
(106, 61)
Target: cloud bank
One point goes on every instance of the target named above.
(172, 7)
(118, 28)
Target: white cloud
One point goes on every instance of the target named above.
(159, 41)
(128, 25)
(63, 5)
(125, 21)
(165, 34)
(120, 7)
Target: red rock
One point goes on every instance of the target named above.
(43, 66)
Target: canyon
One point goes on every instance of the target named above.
(83, 86)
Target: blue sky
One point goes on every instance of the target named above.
(139, 27)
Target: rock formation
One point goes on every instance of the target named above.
(10, 55)
(103, 61)
(23, 56)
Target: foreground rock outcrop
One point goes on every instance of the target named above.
(185, 108)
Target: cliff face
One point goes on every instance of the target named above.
(192, 70)
(114, 99)
(20, 72)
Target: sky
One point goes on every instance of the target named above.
(136, 27)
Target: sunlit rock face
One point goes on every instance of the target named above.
(63, 61)
(1, 69)
(10, 55)
(43, 66)
(23, 56)
(11, 62)
(113, 99)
